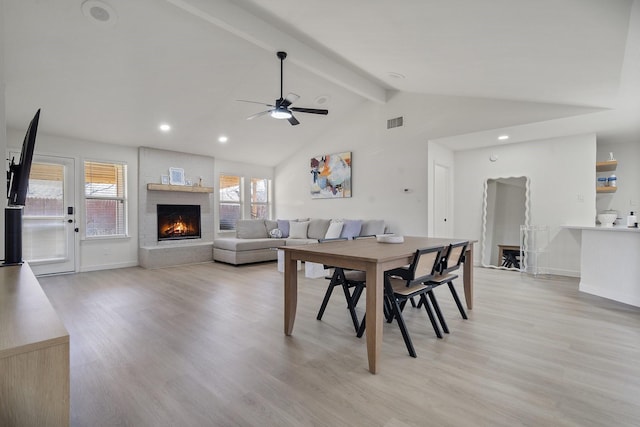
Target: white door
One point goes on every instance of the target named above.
(441, 200)
(48, 221)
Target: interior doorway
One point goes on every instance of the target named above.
(442, 223)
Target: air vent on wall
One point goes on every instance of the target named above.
(394, 123)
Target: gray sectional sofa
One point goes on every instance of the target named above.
(256, 240)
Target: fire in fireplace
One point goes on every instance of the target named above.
(176, 222)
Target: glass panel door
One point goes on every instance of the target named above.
(48, 223)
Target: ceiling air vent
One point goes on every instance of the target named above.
(394, 123)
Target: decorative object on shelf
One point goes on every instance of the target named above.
(611, 158)
(164, 179)
(612, 181)
(331, 176)
(602, 181)
(189, 182)
(176, 176)
(607, 218)
(632, 220)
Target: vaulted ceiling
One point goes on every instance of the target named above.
(117, 69)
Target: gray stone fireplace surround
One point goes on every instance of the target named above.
(153, 164)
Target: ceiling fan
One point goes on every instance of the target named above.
(282, 108)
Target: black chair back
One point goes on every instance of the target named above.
(424, 265)
(453, 258)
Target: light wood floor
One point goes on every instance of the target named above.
(203, 345)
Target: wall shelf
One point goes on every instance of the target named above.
(181, 188)
(607, 166)
(606, 189)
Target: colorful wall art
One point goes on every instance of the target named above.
(331, 176)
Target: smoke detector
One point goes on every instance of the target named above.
(99, 12)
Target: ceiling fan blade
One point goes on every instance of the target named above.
(255, 102)
(262, 113)
(290, 99)
(309, 110)
(293, 121)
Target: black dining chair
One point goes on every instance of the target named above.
(352, 282)
(412, 282)
(451, 261)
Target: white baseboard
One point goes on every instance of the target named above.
(88, 268)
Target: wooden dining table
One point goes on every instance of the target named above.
(374, 258)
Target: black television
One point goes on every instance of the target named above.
(18, 174)
(17, 185)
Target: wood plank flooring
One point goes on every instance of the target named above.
(203, 345)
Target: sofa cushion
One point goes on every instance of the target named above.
(251, 229)
(298, 230)
(270, 225)
(351, 228)
(238, 244)
(283, 225)
(318, 228)
(372, 226)
(335, 229)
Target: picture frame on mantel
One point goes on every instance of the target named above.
(164, 179)
(176, 176)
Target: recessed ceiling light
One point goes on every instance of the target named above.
(99, 12)
(223, 139)
(503, 137)
(165, 127)
(395, 75)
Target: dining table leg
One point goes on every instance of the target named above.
(467, 278)
(375, 284)
(290, 292)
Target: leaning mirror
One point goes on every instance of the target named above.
(506, 208)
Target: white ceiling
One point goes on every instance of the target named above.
(186, 62)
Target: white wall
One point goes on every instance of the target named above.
(385, 162)
(103, 253)
(627, 197)
(562, 192)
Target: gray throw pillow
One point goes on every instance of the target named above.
(318, 228)
(251, 229)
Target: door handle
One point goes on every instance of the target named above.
(70, 221)
(76, 229)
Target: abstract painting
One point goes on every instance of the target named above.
(331, 176)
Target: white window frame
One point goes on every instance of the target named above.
(267, 203)
(240, 204)
(124, 199)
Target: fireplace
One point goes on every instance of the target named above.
(177, 222)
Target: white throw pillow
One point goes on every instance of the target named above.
(298, 230)
(335, 228)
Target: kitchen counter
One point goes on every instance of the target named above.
(616, 228)
(609, 264)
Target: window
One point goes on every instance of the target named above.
(230, 201)
(260, 198)
(105, 199)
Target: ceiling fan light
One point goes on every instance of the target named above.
(280, 113)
